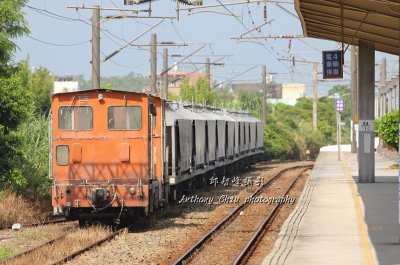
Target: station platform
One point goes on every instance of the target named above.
(340, 221)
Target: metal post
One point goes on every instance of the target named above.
(208, 71)
(315, 95)
(337, 134)
(264, 88)
(340, 134)
(165, 74)
(96, 48)
(354, 86)
(366, 95)
(384, 102)
(153, 63)
(382, 82)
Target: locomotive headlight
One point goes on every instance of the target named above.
(68, 204)
(132, 190)
(100, 97)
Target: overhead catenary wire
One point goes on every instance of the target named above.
(188, 74)
(241, 73)
(129, 43)
(58, 44)
(186, 57)
(52, 14)
(181, 38)
(246, 28)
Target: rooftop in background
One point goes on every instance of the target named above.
(175, 79)
(373, 21)
(289, 91)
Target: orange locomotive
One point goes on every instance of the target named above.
(114, 153)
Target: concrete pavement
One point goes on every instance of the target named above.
(328, 224)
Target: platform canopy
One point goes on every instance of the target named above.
(376, 21)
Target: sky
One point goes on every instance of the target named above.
(60, 40)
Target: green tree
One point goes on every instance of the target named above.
(15, 106)
(130, 82)
(186, 91)
(250, 102)
(387, 128)
(200, 93)
(203, 93)
(34, 147)
(39, 82)
(224, 98)
(12, 24)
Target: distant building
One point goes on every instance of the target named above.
(65, 84)
(286, 93)
(175, 79)
(251, 88)
(291, 91)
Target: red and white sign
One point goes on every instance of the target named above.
(339, 105)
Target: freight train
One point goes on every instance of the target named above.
(119, 155)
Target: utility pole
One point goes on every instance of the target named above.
(354, 99)
(382, 83)
(153, 63)
(264, 88)
(208, 72)
(165, 74)
(315, 94)
(96, 48)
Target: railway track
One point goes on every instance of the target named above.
(59, 245)
(233, 229)
(54, 221)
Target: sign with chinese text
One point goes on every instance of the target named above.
(339, 105)
(332, 64)
(366, 125)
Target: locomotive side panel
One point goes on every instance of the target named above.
(230, 147)
(242, 137)
(247, 136)
(253, 139)
(211, 128)
(185, 144)
(237, 143)
(260, 135)
(221, 139)
(200, 141)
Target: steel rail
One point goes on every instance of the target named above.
(83, 250)
(6, 261)
(70, 256)
(56, 221)
(230, 217)
(251, 245)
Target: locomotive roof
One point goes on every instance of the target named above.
(106, 90)
(178, 111)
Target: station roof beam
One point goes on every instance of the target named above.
(375, 21)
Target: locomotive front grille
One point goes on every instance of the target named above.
(100, 195)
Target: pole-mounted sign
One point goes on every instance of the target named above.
(339, 105)
(332, 64)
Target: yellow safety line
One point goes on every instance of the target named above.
(362, 226)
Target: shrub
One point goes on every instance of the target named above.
(16, 209)
(387, 128)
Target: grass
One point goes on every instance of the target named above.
(16, 209)
(5, 253)
(66, 246)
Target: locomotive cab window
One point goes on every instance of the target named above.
(124, 118)
(75, 118)
(62, 155)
